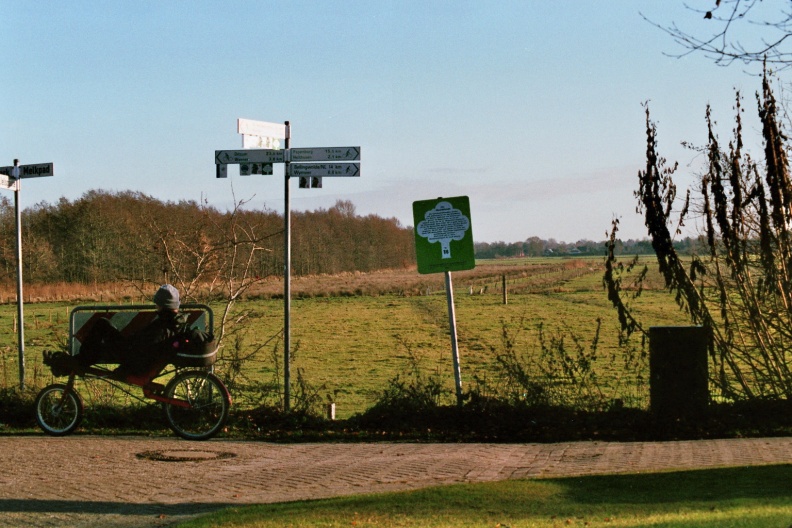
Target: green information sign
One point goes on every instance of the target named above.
(443, 235)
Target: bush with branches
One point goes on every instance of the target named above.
(741, 288)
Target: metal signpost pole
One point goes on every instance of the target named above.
(287, 280)
(20, 309)
(453, 328)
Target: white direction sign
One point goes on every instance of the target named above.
(325, 154)
(261, 128)
(233, 157)
(320, 170)
(31, 171)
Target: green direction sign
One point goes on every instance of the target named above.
(443, 235)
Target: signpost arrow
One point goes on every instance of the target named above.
(325, 154)
(225, 157)
(30, 171)
(320, 170)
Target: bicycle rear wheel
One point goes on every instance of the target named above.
(201, 406)
(58, 411)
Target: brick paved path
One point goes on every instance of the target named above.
(91, 481)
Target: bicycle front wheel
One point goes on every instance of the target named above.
(58, 411)
(200, 406)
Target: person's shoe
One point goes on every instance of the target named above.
(60, 363)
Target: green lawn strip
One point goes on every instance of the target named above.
(745, 497)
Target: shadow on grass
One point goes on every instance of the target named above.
(758, 482)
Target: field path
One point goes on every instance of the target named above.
(93, 481)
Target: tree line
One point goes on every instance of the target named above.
(110, 236)
(537, 247)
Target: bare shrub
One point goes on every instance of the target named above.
(741, 288)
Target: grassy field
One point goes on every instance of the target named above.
(740, 497)
(353, 333)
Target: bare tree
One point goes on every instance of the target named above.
(745, 31)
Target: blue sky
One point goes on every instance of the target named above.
(533, 109)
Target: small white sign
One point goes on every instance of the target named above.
(261, 129)
(7, 182)
(259, 142)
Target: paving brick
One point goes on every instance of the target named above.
(99, 481)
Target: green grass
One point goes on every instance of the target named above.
(349, 347)
(350, 344)
(735, 497)
(354, 345)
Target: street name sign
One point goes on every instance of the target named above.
(321, 170)
(325, 154)
(233, 157)
(31, 171)
(443, 235)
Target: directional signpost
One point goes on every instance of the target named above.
(235, 157)
(444, 242)
(310, 176)
(253, 161)
(10, 179)
(325, 154)
(322, 170)
(260, 161)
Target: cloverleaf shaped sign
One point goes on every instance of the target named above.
(439, 223)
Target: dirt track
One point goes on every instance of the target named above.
(91, 481)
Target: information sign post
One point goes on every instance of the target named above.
(438, 223)
(259, 161)
(10, 179)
